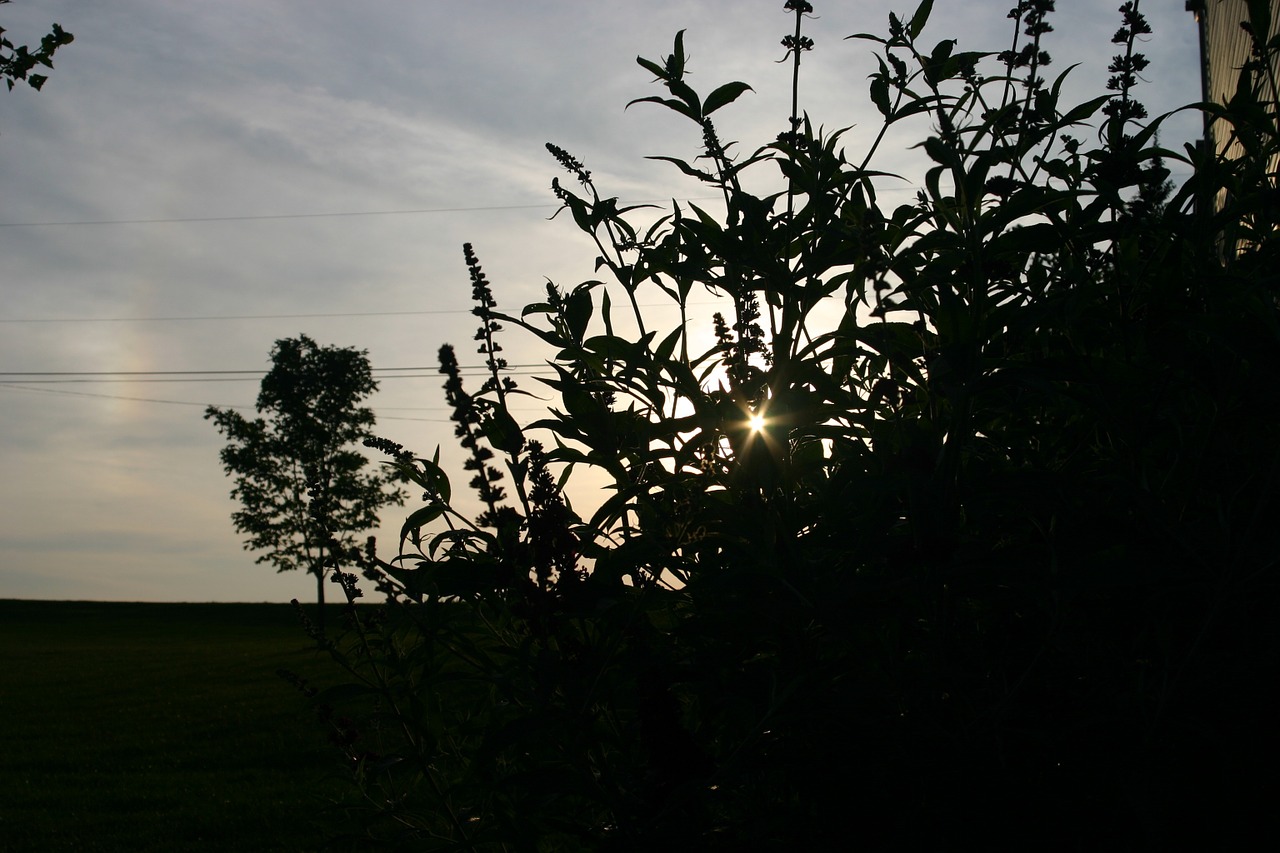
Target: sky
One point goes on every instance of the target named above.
(199, 180)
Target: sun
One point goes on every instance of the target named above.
(756, 423)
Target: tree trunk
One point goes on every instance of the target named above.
(320, 599)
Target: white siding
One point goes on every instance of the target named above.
(1228, 48)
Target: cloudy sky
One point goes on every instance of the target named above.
(198, 180)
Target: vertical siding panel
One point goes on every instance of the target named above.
(1228, 48)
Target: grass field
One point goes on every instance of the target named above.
(159, 727)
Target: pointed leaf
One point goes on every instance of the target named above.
(726, 94)
(677, 106)
(577, 313)
(658, 70)
(920, 18)
(880, 91)
(668, 345)
(419, 519)
(502, 431)
(686, 168)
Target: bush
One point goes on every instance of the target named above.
(989, 560)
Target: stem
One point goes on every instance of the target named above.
(795, 108)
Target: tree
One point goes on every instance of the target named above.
(301, 482)
(17, 63)
(955, 535)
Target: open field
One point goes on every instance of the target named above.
(158, 727)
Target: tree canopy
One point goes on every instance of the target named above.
(300, 475)
(17, 62)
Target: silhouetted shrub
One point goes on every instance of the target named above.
(996, 567)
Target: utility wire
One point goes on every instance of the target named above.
(110, 396)
(259, 218)
(330, 215)
(244, 408)
(236, 317)
(225, 372)
(272, 316)
(174, 220)
(353, 213)
(203, 379)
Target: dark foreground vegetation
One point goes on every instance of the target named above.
(164, 727)
(955, 532)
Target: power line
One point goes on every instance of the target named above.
(465, 367)
(245, 408)
(259, 218)
(129, 381)
(204, 379)
(329, 215)
(177, 220)
(279, 316)
(16, 387)
(237, 317)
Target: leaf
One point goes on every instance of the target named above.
(919, 105)
(687, 169)
(430, 476)
(677, 106)
(937, 68)
(463, 540)
(418, 519)
(938, 151)
(867, 37)
(689, 97)
(658, 70)
(942, 51)
(536, 308)
(902, 343)
(880, 90)
(610, 346)
(461, 577)
(1083, 111)
(726, 94)
(919, 19)
(675, 62)
(501, 430)
(578, 309)
(668, 345)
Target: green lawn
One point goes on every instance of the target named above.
(159, 727)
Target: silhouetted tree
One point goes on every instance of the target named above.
(298, 476)
(17, 62)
